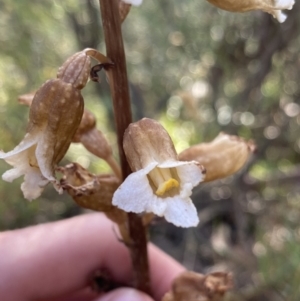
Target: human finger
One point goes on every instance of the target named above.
(54, 259)
(125, 294)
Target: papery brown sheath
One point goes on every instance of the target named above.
(94, 192)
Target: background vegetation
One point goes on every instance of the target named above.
(199, 71)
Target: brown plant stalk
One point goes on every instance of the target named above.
(121, 103)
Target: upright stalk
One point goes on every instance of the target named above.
(121, 103)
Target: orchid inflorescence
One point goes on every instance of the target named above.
(161, 181)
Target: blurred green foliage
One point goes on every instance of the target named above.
(199, 71)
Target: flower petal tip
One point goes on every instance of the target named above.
(133, 2)
(285, 4)
(181, 212)
(31, 194)
(185, 223)
(281, 5)
(11, 175)
(280, 16)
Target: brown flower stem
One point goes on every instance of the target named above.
(121, 103)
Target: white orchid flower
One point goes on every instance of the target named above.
(160, 183)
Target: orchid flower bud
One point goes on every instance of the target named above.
(160, 183)
(26, 99)
(55, 114)
(273, 7)
(95, 142)
(76, 70)
(221, 157)
(92, 139)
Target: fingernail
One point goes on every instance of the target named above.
(125, 294)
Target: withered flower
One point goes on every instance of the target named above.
(88, 190)
(221, 157)
(94, 192)
(55, 114)
(191, 286)
(159, 183)
(273, 7)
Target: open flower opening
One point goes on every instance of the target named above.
(164, 181)
(160, 184)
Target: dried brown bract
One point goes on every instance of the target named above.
(88, 190)
(191, 286)
(94, 192)
(221, 157)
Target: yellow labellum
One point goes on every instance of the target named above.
(166, 186)
(163, 181)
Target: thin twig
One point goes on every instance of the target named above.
(121, 103)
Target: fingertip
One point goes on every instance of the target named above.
(125, 294)
(164, 269)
